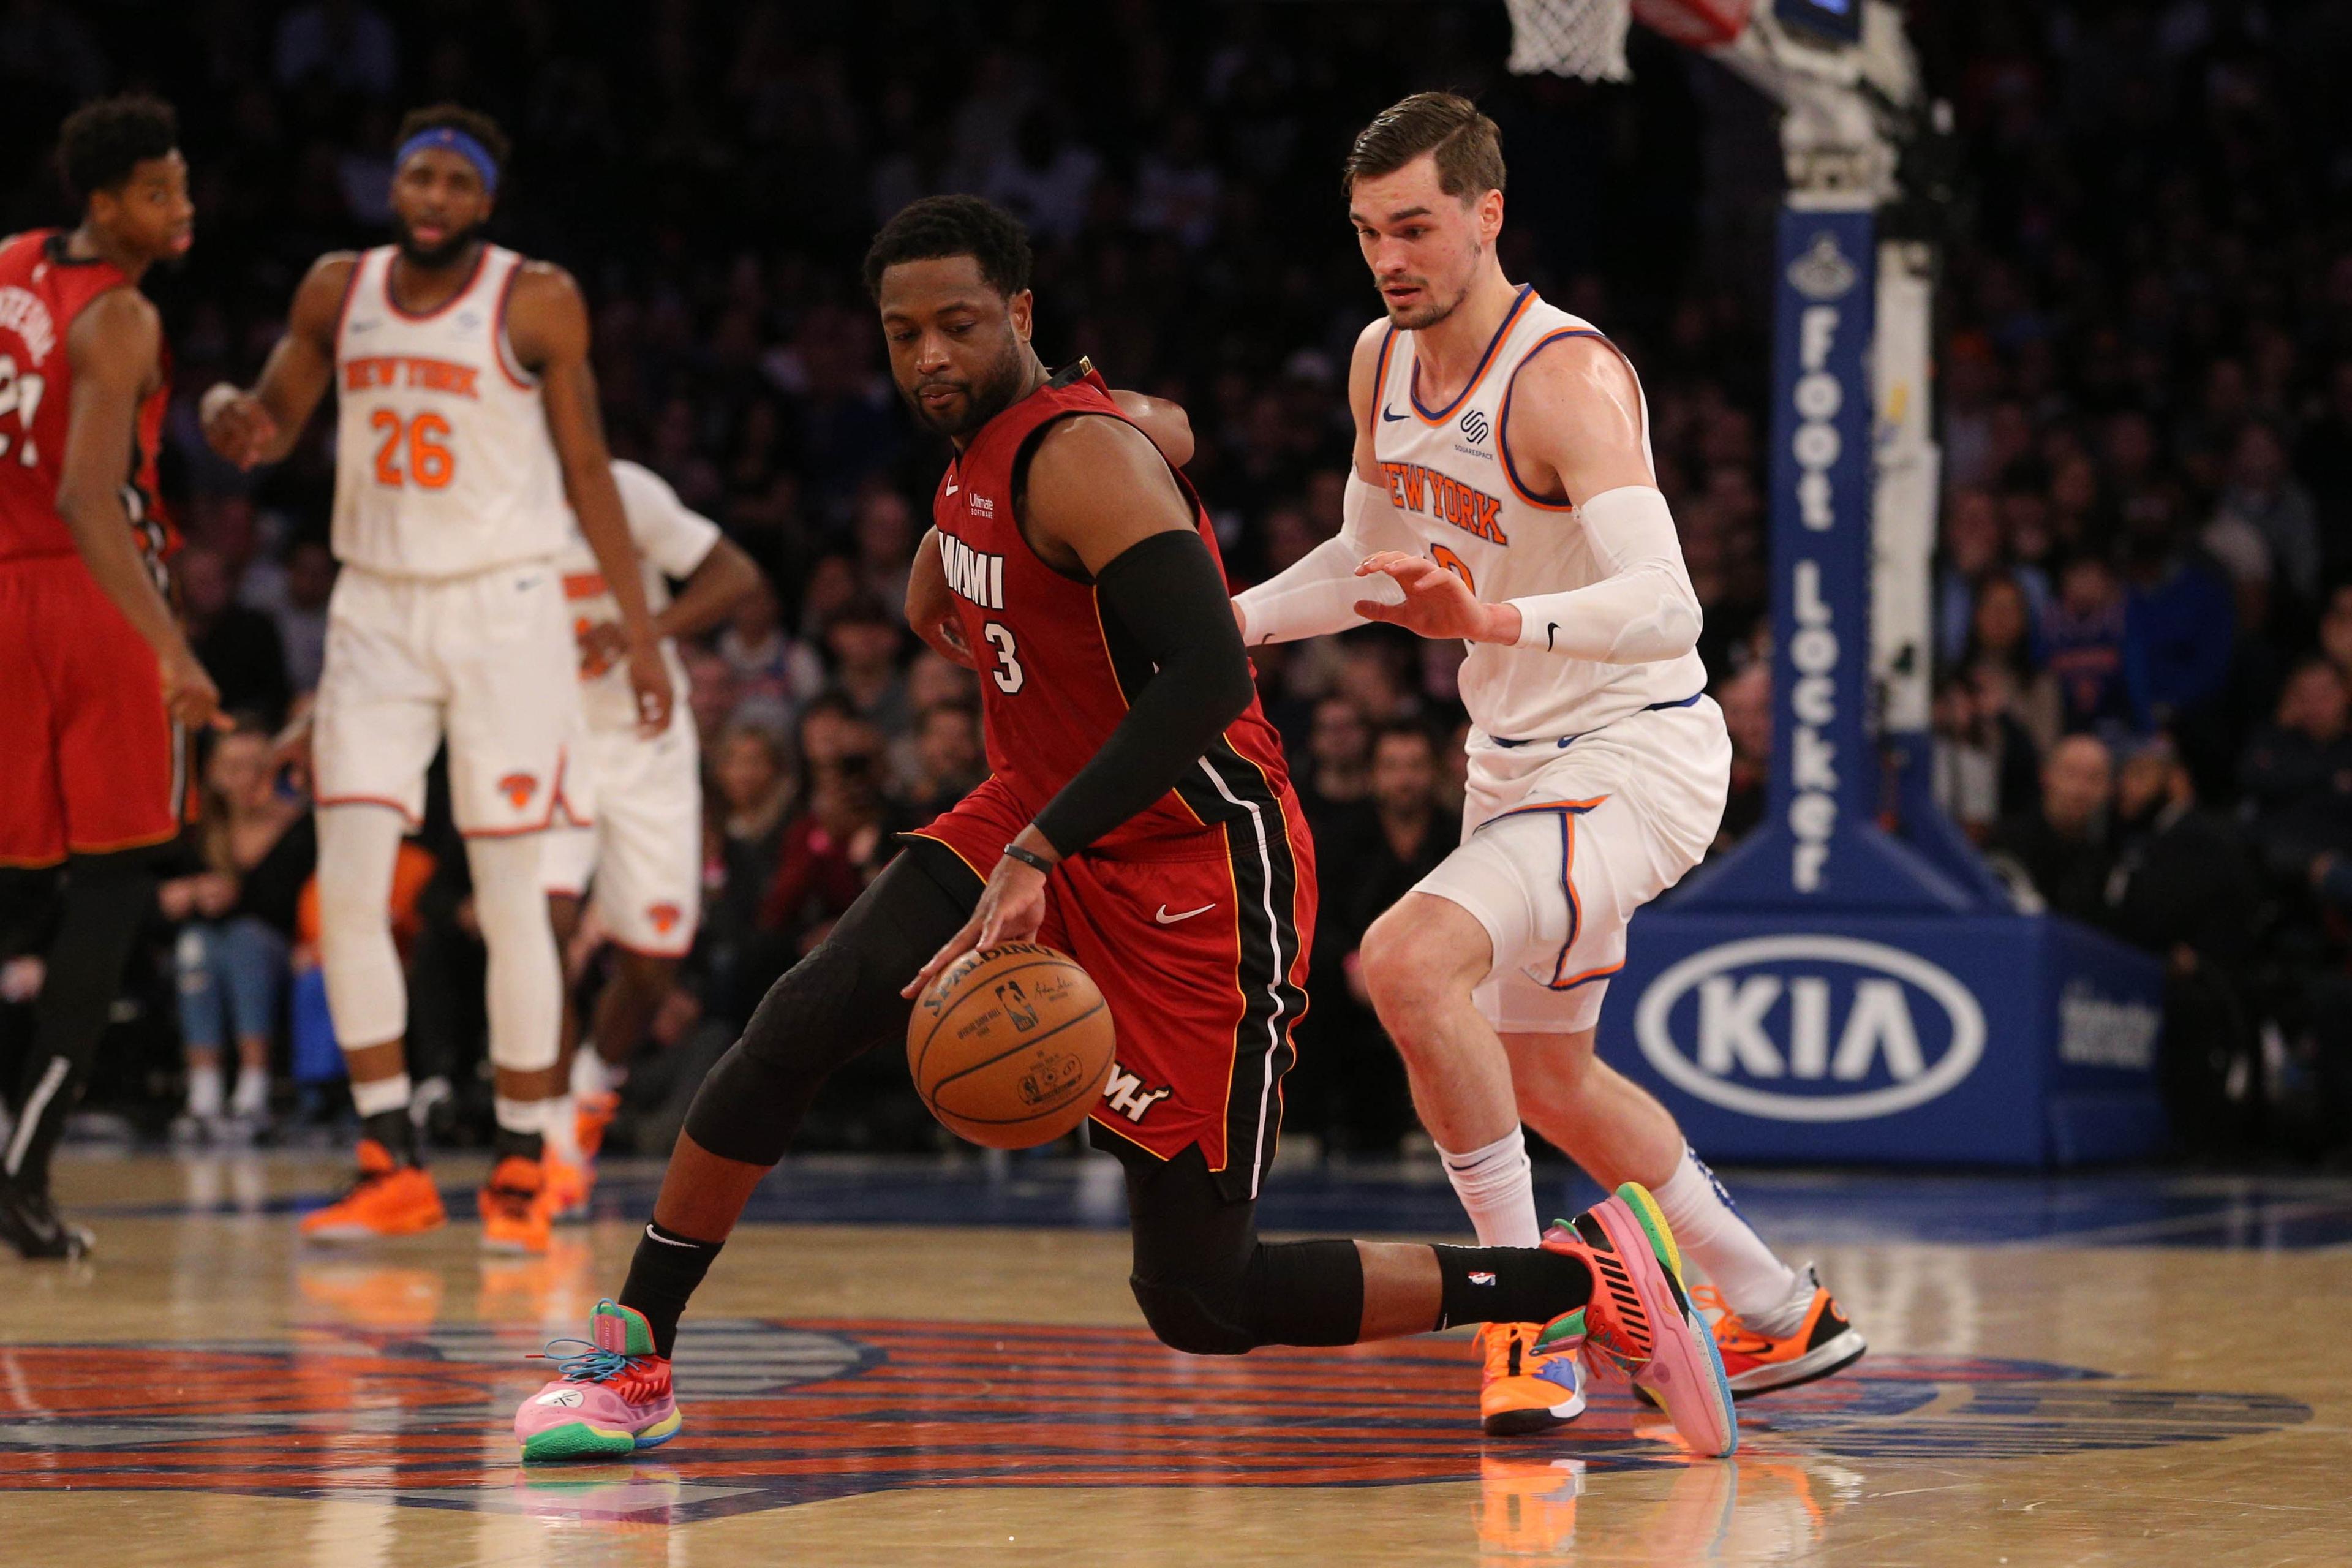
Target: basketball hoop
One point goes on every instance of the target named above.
(1586, 38)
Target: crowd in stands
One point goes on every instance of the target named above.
(2142, 621)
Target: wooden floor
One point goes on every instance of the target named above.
(209, 1392)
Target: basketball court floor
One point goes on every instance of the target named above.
(903, 1364)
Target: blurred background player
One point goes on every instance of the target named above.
(98, 687)
(1503, 481)
(468, 421)
(641, 856)
(1139, 815)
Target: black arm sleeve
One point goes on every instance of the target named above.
(1168, 596)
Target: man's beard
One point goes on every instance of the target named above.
(982, 400)
(433, 257)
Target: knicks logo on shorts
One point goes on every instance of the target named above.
(518, 788)
(665, 917)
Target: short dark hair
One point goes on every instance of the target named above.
(939, 227)
(1468, 145)
(456, 117)
(1406, 729)
(105, 139)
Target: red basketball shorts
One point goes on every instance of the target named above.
(89, 761)
(1199, 945)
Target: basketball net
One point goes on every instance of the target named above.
(1570, 38)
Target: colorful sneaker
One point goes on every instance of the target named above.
(388, 1199)
(1527, 1390)
(1640, 1320)
(612, 1399)
(591, 1115)
(514, 1219)
(1823, 1342)
(564, 1188)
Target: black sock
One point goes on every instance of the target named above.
(106, 898)
(396, 1131)
(507, 1144)
(1509, 1285)
(661, 1276)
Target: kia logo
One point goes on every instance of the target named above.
(1837, 1029)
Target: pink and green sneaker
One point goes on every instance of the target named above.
(612, 1399)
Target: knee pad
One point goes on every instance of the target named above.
(1196, 1314)
(832, 1005)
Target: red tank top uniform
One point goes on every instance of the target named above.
(1194, 915)
(91, 763)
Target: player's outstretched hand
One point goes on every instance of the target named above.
(1437, 604)
(650, 679)
(235, 425)
(1010, 908)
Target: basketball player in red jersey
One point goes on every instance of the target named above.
(97, 684)
(1140, 817)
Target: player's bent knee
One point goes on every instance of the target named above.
(1196, 1316)
(832, 1005)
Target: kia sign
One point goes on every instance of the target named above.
(1807, 1027)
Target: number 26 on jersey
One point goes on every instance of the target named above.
(413, 451)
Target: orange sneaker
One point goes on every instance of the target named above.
(565, 1189)
(1823, 1342)
(592, 1114)
(1526, 1390)
(514, 1218)
(388, 1199)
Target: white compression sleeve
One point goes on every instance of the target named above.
(1644, 610)
(1317, 595)
(526, 976)
(367, 996)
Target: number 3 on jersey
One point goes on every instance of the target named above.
(417, 445)
(1007, 673)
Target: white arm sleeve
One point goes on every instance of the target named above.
(1317, 595)
(1642, 611)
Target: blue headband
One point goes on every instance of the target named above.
(456, 141)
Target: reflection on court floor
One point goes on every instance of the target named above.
(885, 1392)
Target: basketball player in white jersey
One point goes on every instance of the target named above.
(640, 856)
(467, 441)
(1502, 493)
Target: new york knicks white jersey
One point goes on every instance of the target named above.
(444, 466)
(1452, 480)
(670, 542)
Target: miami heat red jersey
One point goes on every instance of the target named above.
(42, 289)
(1055, 673)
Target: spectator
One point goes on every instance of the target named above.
(772, 675)
(2183, 889)
(302, 619)
(2084, 631)
(756, 788)
(834, 847)
(1985, 766)
(948, 763)
(236, 911)
(1746, 701)
(239, 647)
(2297, 774)
(864, 640)
(2178, 623)
(1337, 775)
(347, 45)
(2001, 636)
(2265, 500)
(2062, 848)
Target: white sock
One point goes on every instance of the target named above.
(205, 1091)
(592, 1075)
(1497, 1188)
(1756, 1285)
(384, 1094)
(560, 1128)
(252, 1096)
(519, 1115)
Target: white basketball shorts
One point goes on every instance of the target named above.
(486, 660)
(643, 858)
(1561, 843)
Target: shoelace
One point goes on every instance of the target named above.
(591, 1363)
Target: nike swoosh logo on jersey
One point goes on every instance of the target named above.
(1168, 920)
(1386, 415)
(1551, 630)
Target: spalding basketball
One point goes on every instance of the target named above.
(1011, 1045)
